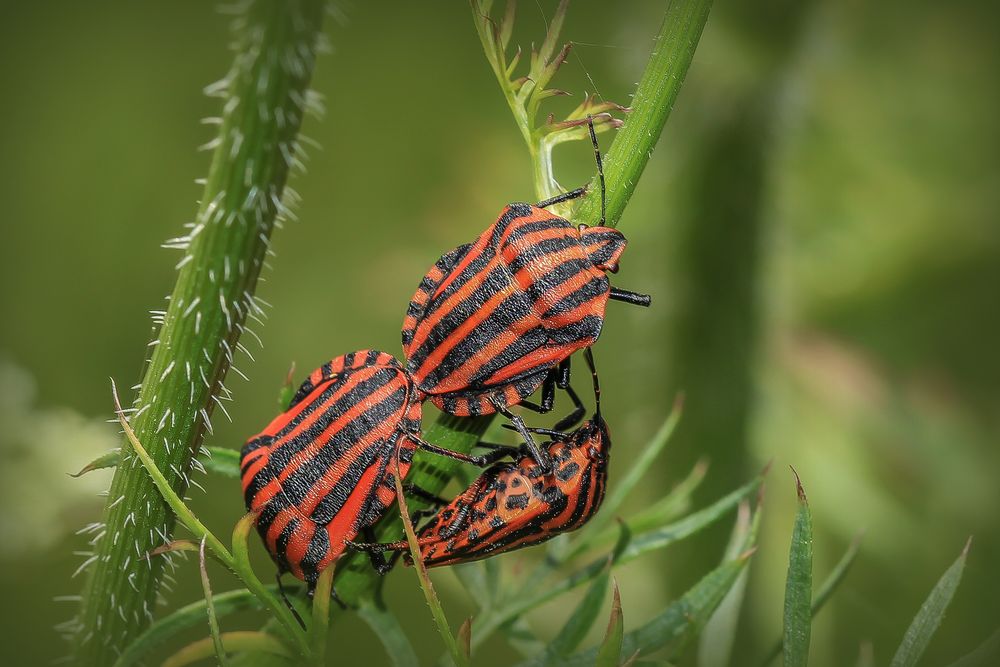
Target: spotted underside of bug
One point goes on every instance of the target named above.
(516, 504)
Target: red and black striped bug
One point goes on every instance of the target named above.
(495, 319)
(319, 474)
(517, 504)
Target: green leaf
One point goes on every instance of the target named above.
(626, 550)
(692, 523)
(184, 619)
(610, 651)
(672, 505)
(221, 461)
(385, 625)
(460, 657)
(798, 586)
(246, 641)
(931, 613)
(108, 460)
(986, 653)
(217, 460)
(464, 638)
(581, 620)
(676, 625)
(826, 590)
(319, 629)
(213, 621)
(715, 644)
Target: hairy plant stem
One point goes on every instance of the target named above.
(660, 83)
(265, 97)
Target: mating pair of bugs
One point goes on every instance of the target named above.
(491, 322)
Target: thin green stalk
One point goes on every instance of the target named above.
(213, 620)
(651, 105)
(265, 96)
(460, 657)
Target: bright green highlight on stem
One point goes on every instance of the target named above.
(651, 105)
(264, 97)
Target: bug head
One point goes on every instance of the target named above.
(603, 246)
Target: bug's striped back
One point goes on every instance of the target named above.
(514, 505)
(493, 317)
(320, 471)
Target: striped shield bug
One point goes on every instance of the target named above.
(494, 320)
(320, 472)
(516, 504)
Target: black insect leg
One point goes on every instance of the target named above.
(558, 199)
(542, 458)
(548, 394)
(481, 461)
(288, 603)
(600, 167)
(558, 377)
(423, 494)
(628, 296)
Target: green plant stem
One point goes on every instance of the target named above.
(239, 563)
(651, 105)
(658, 88)
(265, 97)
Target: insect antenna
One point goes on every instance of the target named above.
(600, 168)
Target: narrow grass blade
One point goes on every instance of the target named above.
(988, 653)
(243, 641)
(213, 621)
(610, 651)
(582, 618)
(107, 460)
(464, 638)
(716, 641)
(217, 460)
(184, 514)
(674, 504)
(826, 590)
(460, 658)
(676, 625)
(798, 586)
(931, 613)
(221, 461)
(183, 620)
(319, 629)
(625, 551)
(692, 523)
(385, 625)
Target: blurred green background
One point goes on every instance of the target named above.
(818, 228)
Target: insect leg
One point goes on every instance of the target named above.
(481, 461)
(288, 603)
(418, 492)
(542, 458)
(628, 296)
(558, 199)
